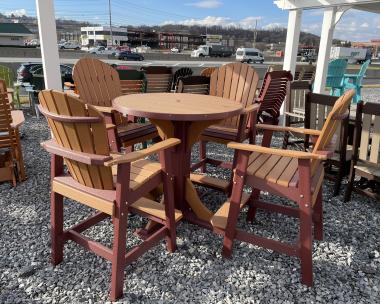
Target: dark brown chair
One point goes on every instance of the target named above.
(180, 73)
(194, 85)
(293, 175)
(365, 159)
(317, 109)
(159, 79)
(112, 184)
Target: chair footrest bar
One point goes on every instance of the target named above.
(156, 210)
(219, 220)
(140, 249)
(210, 182)
(280, 247)
(89, 222)
(289, 211)
(89, 244)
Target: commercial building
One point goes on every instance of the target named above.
(101, 35)
(14, 34)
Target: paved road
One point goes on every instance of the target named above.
(135, 63)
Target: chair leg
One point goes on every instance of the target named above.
(338, 180)
(350, 186)
(118, 256)
(171, 243)
(56, 217)
(252, 209)
(202, 154)
(306, 244)
(318, 212)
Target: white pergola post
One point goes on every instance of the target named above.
(292, 40)
(48, 41)
(328, 26)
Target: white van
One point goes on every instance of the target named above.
(249, 55)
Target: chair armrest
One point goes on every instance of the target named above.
(284, 153)
(105, 109)
(288, 129)
(87, 158)
(350, 75)
(133, 156)
(110, 126)
(251, 108)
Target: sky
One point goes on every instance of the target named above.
(354, 26)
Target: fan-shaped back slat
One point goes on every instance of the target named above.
(97, 82)
(81, 137)
(237, 82)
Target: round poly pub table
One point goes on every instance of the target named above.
(183, 116)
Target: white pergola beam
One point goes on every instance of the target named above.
(328, 26)
(292, 40)
(48, 41)
(313, 4)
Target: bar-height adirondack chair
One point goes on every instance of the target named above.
(335, 76)
(159, 79)
(180, 73)
(15, 134)
(194, 85)
(112, 184)
(274, 90)
(365, 159)
(7, 142)
(237, 82)
(98, 84)
(295, 175)
(354, 81)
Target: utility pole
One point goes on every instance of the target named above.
(109, 8)
(255, 34)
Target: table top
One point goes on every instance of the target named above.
(17, 118)
(177, 106)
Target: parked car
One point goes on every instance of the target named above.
(130, 56)
(175, 50)
(249, 55)
(102, 50)
(69, 45)
(26, 70)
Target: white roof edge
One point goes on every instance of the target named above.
(315, 4)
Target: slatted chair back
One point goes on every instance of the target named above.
(194, 85)
(97, 82)
(369, 146)
(3, 89)
(159, 79)
(132, 82)
(305, 73)
(180, 73)
(335, 73)
(208, 71)
(274, 90)
(237, 82)
(363, 71)
(6, 132)
(81, 128)
(328, 138)
(295, 104)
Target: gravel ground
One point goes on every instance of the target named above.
(346, 263)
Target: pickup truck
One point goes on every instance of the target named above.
(102, 50)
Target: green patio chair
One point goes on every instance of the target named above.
(8, 76)
(335, 76)
(354, 81)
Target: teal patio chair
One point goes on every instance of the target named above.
(335, 75)
(354, 81)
